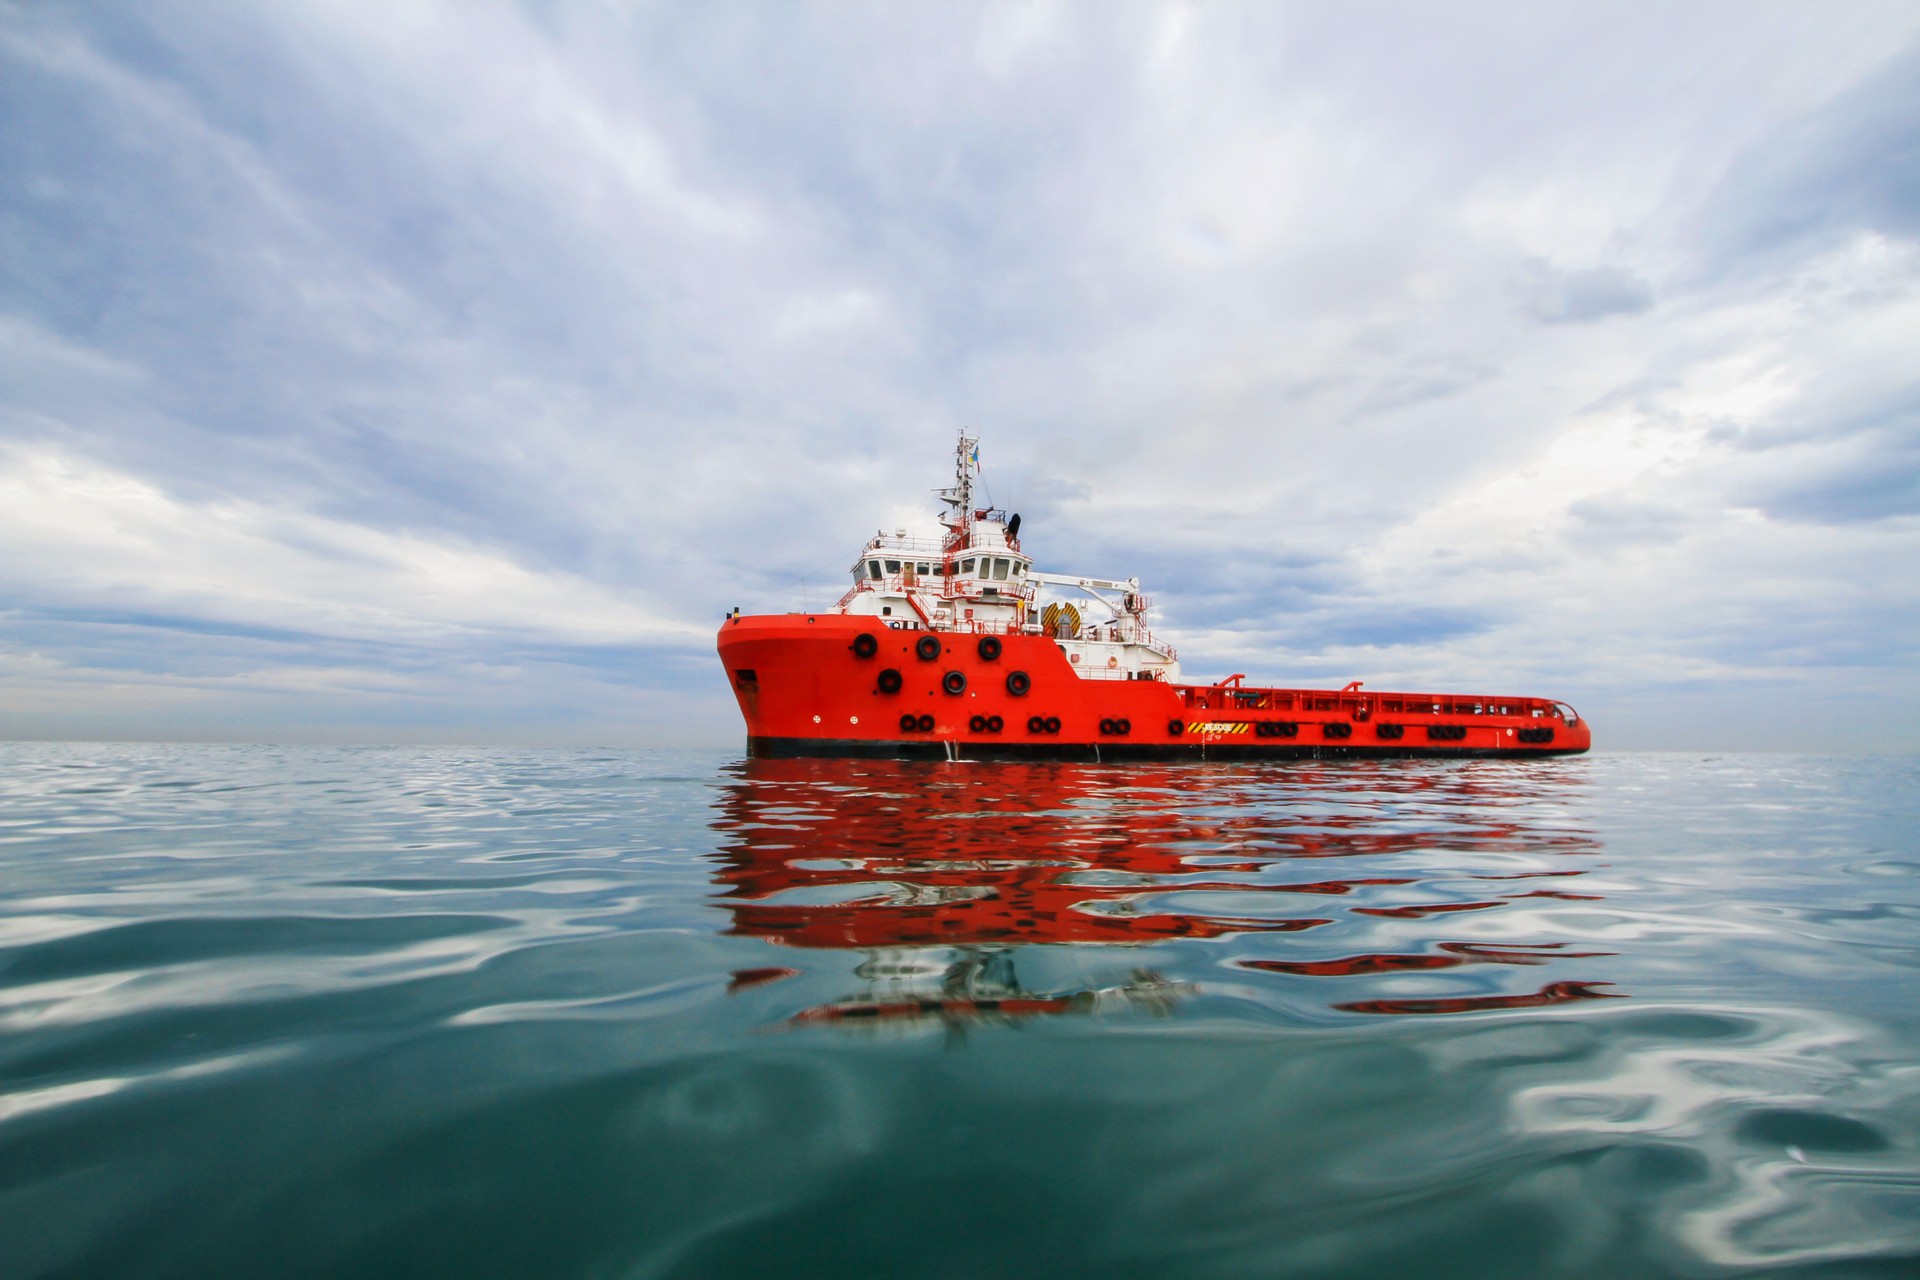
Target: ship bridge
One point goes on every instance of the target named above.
(976, 579)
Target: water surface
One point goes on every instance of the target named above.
(407, 1012)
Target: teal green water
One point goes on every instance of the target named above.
(325, 1012)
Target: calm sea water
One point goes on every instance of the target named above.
(318, 1012)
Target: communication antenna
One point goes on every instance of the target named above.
(959, 495)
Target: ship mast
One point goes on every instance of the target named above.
(959, 496)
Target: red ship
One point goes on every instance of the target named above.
(955, 648)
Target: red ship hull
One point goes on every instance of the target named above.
(808, 685)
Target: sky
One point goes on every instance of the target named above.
(443, 372)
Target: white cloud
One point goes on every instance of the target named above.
(82, 536)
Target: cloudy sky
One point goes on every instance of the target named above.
(443, 372)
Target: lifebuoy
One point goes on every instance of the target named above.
(927, 648)
(889, 681)
(989, 648)
(1018, 682)
(865, 645)
(954, 682)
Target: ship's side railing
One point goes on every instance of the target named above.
(1221, 698)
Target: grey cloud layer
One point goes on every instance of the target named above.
(1562, 349)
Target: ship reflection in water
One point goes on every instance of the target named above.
(1418, 887)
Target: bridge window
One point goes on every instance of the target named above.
(999, 570)
(873, 568)
(893, 566)
(966, 566)
(923, 569)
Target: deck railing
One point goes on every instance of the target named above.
(1221, 698)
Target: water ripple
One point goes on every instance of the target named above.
(300, 1011)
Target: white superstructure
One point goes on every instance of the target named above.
(978, 580)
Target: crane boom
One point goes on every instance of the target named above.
(1085, 584)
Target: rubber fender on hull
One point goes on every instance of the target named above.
(927, 648)
(954, 682)
(865, 645)
(1337, 729)
(989, 648)
(1018, 682)
(889, 681)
